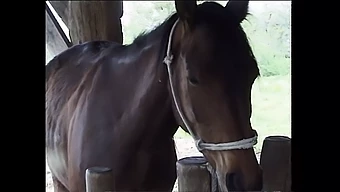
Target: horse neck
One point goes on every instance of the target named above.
(150, 106)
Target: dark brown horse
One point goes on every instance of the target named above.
(119, 106)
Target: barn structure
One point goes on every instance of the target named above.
(89, 21)
(86, 21)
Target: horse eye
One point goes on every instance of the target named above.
(193, 81)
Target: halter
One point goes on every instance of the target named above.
(201, 145)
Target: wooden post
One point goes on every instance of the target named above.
(99, 179)
(95, 20)
(275, 162)
(86, 21)
(193, 174)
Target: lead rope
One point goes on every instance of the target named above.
(213, 180)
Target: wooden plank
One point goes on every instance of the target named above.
(99, 179)
(275, 162)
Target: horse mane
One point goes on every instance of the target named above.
(159, 33)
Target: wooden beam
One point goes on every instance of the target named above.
(61, 7)
(54, 42)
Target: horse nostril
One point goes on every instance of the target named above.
(234, 182)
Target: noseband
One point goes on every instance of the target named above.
(201, 145)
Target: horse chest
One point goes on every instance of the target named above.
(57, 157)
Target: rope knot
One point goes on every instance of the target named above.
(168, 59)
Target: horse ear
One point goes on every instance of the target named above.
(239, 9)
(186, 11)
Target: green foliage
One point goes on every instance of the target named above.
(268, 29)
(269, 34)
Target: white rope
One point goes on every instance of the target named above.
(168, 61)
(241, 144)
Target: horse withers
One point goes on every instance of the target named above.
(119, 106)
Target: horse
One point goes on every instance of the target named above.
(119, 106)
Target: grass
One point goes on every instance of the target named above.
(271, 101)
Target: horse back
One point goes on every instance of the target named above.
(66, 71)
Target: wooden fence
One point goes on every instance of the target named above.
(194, 173)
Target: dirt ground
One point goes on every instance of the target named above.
(184, 148)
